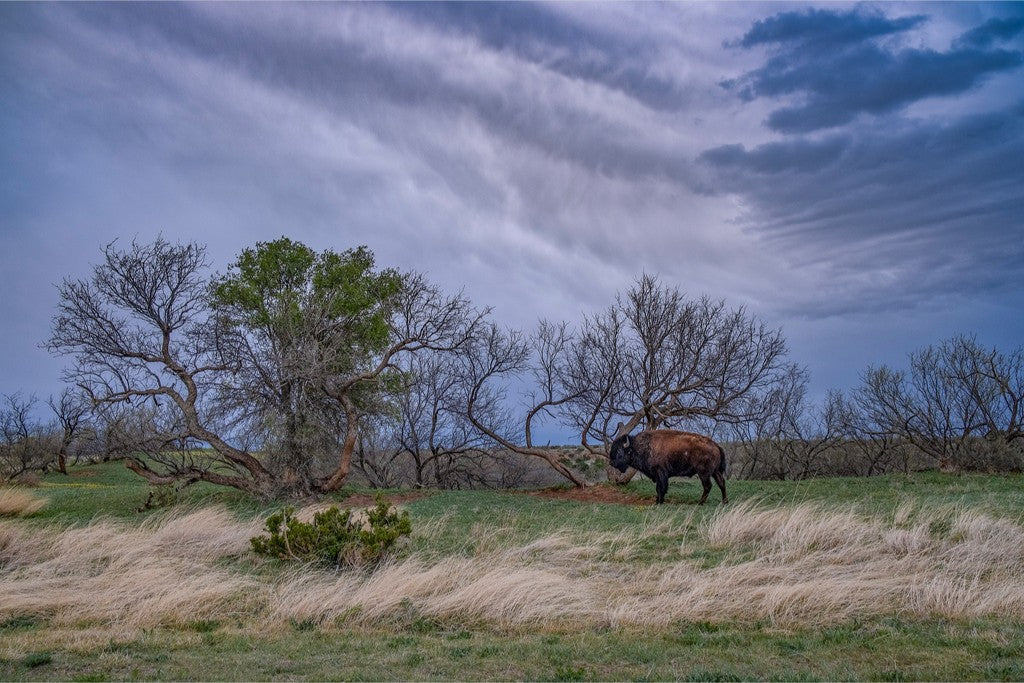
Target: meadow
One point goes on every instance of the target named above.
(900, 577)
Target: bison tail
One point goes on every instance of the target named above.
(723, 465)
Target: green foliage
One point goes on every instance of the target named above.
(335, 537)
(276, 288)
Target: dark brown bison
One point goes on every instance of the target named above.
(664, 453)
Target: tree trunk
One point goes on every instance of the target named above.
(337, 478)
(620, 478)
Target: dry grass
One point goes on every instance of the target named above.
(17, 502)
(804, 565)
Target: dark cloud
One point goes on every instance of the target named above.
(825, 29)
(832, 63)
(933, 206)
(345, 76)
(992, 31)
(538, 155)
(801, 156)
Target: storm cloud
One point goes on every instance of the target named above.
(833, 61)
(860, 168)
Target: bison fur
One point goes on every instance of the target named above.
(664, 453)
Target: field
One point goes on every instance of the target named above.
(889, 578)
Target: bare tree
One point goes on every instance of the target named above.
(423, 319)
(810, 438)
(870, 447)
(495, 357)
(785, 436)
(71, 409)
(994, 381)
(433, 431)
(138, 330)
(26, 445)
(953, 395)
(658, 359)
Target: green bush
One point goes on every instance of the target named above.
(334, 538)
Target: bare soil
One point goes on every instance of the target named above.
(599, 493)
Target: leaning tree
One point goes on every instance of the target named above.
(139, 332)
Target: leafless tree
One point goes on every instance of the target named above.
(138, 330)
(994, 381)
(26, 445)
(953, 395)
(658, 359)
(71, 410)
(432, 430)
(494, 358)
(811, 437)
(870, 447)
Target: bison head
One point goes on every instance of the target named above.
(621, 454)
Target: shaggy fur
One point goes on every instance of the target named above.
(664, 453)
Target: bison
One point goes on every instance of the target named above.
(664, 453)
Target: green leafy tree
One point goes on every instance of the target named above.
(316, 342)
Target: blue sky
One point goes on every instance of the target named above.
(853, 173)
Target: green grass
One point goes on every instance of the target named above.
(414, 648)
(883, 650)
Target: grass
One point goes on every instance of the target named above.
(884, 650)
(19, 503)
(893, 578)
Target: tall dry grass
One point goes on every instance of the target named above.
(803, 565)
(18, 502)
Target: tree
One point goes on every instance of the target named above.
(422, 319)
(317, 339)
(654, 358)
(281, 304)
(139, 331)
(874, 448)
(953, 395)
(425, 439)
(495, 357)
(26, 445)
(658, 359)
(71, 410)
(432, 431)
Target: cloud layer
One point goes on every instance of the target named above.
(819, 165)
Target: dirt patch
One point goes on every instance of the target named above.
(365, 500)
(600, 493)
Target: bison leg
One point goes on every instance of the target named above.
(661, 486)
(720, 480)
(705, 481)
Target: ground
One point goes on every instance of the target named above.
(600, 493)
(557, 584)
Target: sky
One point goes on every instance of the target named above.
(851, 173)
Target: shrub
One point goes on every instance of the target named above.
(335, 537)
